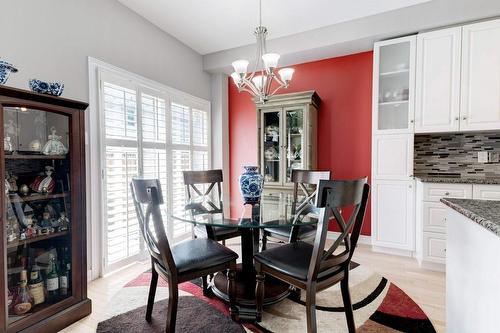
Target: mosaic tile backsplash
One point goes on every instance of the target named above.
(455, 155)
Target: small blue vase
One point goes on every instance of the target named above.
(5, 70)
(251, 183)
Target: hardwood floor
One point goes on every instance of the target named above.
(426, 288)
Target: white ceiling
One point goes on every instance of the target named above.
(209, 26)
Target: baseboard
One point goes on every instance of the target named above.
(433, 266)
(397, 252)
(333, 235)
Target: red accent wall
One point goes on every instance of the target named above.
(344, 85)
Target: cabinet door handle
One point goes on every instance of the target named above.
(464, 118)
(457, 118)
(411, 121)
(446, 193)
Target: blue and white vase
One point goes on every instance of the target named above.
(251, 183)
(48, 88)
(5, 70)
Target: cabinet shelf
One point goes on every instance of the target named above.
(393, 102)
(36, 197)
(34, 157)
(15, 244)
(398, 72)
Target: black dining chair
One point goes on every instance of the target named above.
(179, 263)
(310, 267)
(213, 179)
(303, 180)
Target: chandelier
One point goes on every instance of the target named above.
(259, 83)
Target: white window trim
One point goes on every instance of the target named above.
(95, 151)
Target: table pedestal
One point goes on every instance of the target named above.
(275, 290)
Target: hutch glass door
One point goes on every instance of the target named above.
(37, 210)
(294, 132)
(272, 143)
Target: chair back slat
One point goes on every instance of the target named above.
(332, 197)
(212, 178)
(148, 192)
(301, 179)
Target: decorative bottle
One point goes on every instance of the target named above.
(52, 280)
(36, 286)
(23, 302)
(64, 278)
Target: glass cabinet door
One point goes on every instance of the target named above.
(396, 78)
(37, 210)
(271, 146)
(294, 131)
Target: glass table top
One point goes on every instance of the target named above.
(271, 212)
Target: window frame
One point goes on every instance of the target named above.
(97, 143)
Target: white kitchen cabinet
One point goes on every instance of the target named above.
(480, 93)
(392, 157)
(437, 90)
(394, 86)
(434, 192)
(435, 246)
(393, 214)
(486, 192)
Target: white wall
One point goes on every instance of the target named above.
(51, 39)
(220, 131)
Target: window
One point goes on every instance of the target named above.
(150, 132)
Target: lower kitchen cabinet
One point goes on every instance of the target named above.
(431, 217)
(393, 216)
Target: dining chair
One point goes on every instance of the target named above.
(311, 268)
(303, 180)
(182, 262)
(213, 179)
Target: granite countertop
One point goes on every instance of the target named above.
(484, 212)
(458, 180)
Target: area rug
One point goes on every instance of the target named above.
(379, 306)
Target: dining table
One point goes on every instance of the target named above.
(249, 219)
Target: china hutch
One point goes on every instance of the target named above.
(287, 127)
(43, 274)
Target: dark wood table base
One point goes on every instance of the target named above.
(275, 291)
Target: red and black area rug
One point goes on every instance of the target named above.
(379, 306)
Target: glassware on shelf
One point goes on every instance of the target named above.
(52, 280)
(23, 302)
(36, 286)
(54, 146)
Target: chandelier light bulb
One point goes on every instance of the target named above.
(236, 78)
(286, 74)
(240, 66)
(259, 81)
(270, 60)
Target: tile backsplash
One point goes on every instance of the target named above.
(455, 155)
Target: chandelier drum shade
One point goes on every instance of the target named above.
(259, 83)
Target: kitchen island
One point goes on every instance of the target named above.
(472, 265)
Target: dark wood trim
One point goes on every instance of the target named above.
(3, 248)
(41, 98)
(61, 319)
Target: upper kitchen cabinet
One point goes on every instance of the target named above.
(393, 86)
(437, 95)
(480, 101)
(287, 126)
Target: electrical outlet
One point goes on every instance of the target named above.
(482, 157)
(493, 157)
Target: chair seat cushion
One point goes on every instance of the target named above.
(292, 259)
(305, 231)
(200, 253)
(220, 232)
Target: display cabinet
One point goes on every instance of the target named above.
(287, 127)
(44, 275)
